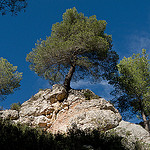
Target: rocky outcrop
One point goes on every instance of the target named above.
(132, 133)
(55, 110)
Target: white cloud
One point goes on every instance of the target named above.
(139, 41)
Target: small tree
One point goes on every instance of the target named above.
(77, 43)
(9, 78)
(13, 6)
(133, 86)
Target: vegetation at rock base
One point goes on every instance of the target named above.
(12, 6)
(21, 137)
(132, 86)
(77, 49)
(9, 78)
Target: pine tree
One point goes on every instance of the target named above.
(78, 48)
(9, 78)
(133, 86)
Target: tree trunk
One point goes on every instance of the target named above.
(68, 77)
(146, 126)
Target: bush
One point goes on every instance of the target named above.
(21, 137)
(90, 95)
(15, 106)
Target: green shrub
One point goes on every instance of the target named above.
(15, 106)
(34, 97)
(90, 95)
(41, 89)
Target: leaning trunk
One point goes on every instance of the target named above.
(146, 126)
(68, 77)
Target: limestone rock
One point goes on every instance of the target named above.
(55, 110)
(27, 120)
(131, 133)
(35, 107)
(41, 121)
(9, 114)
(58, 92)
(95, 113)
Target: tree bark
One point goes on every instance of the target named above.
(146, 126)
(68, 77)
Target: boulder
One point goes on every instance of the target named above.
(58, 93)
(132, 133)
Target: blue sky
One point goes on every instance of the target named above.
(128, 21)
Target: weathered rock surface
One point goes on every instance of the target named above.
(95, 113)
(9, 114)
(131, 133)
(54, 110)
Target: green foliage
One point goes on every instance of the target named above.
(9, 78)
(90, 95)
(15, 106)
(12, 6)
(77, 41)
(21, 137)
(35, 97)
(133, 84)
(41, 90)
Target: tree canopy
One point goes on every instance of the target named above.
(9, 78)
(12, 6)
(78, 48)
(133, 85)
